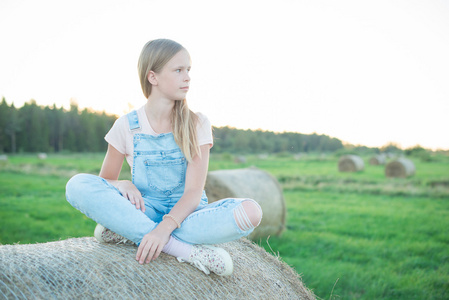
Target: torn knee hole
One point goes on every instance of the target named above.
(248, 215)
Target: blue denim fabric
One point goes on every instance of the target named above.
(159, 169)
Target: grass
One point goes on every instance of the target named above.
(375, 246)
(350, 235)
(34, 210)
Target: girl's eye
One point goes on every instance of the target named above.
(178, 70)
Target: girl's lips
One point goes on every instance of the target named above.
(185, 88)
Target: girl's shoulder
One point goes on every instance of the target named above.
(204, 130)
(120, 121)
(203, 120)
(124, 121)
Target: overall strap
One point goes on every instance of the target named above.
(133, 121)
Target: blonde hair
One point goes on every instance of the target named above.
(155, 54)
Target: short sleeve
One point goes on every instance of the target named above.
(116, 136)
(204, 131)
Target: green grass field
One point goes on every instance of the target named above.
(349, 235)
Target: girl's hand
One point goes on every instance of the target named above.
(110, 170)
(130, 192)
(152, 245)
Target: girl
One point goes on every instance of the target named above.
(164, 208)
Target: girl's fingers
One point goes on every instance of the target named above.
(142, 204)
(158, 251)
(148, 253)
(151, 247)
(154, 253)
(133, 199)
(139, 252)
(129, 197)
(136, 202)
(144, 252)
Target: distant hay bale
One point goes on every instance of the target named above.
(379, 159)
(255, 184)
(350, 163)
(401, 167)
(262, 156)
(42, 155)
(82, 268)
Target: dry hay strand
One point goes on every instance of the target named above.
(379, 159)
(401, 167)
(255, 184)
(82, 268)
(350, 163)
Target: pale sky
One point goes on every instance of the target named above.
(366, 72)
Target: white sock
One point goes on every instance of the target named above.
(177, 248)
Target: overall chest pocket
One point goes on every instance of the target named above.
(166, 175)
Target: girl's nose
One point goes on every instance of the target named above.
(187, 77)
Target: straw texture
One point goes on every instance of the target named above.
(351, 163)
(402, 168)
(83, 268)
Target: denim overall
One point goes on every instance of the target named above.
(158, 171)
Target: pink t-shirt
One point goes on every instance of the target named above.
(121, 138)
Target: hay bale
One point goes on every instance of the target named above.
(263, 156)
(83, 268)
(401, 167)
(255, 184)
(379, 159)
(42, 155)
(350, 163)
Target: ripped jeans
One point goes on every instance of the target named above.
(212, 223)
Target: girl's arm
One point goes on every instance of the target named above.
(112, 164)
(110, 170)
(153, 242)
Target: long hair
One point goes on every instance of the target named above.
(155, 54)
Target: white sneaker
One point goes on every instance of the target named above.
(210, 259)
(104, 235)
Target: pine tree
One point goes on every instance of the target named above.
(4, 119)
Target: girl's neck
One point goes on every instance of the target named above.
(159, 114)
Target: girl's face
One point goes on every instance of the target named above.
(173, 80)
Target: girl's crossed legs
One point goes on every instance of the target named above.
(217, 222)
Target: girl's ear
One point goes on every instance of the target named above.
(152, 78)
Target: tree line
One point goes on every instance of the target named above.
(34, 128)
(227, 139)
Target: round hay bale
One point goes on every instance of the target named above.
(379, 159)
(255, 184)
(350, 163)
(401, 167)
(42, 155)
(83, 268)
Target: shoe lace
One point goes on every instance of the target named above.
(122, 241)
(196, 264)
